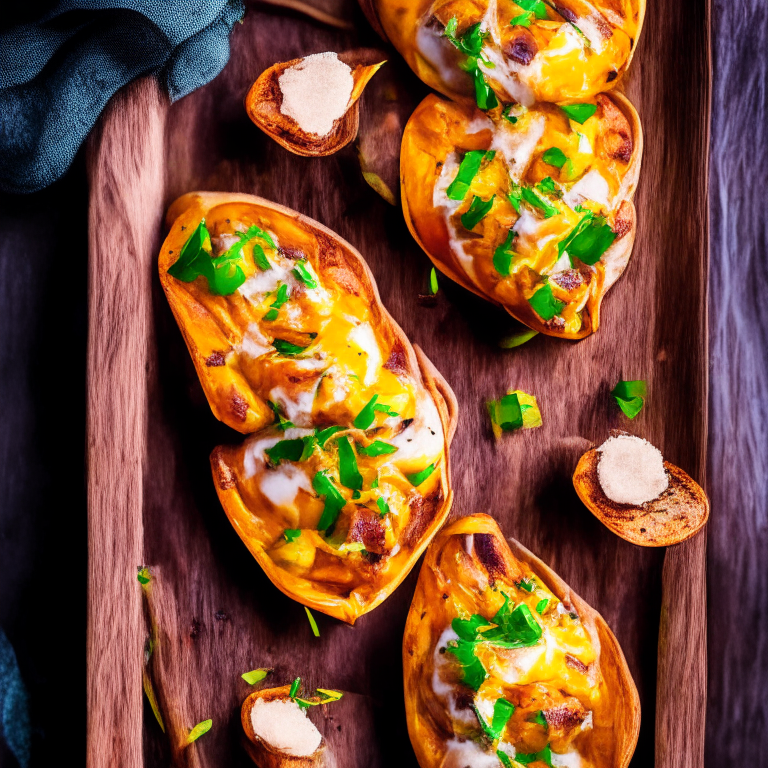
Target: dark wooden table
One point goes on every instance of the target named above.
(43, 253)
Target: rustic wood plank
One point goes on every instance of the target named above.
(217, 615)
(125, 171)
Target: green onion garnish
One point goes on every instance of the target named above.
(349, 475)
(477, 211)
(291, 534)
(533, 199)
(544, 304)
(540, 719)
(502, 256)
(580, 113)
(527, 584)
(506, 412)
(287, 349)
(541, 606)
(515, 195)
(588, 240)
(301, 272)
(517, 339)
(376, 448)
(323, 435)
(255, 676)
(312, 622)
(433, 281)
(547, 186)
(470, 165)
(299, 449)
(295, 685)
(381, 408)
(554, 156)
(533, 6)
(471, 44)
(199, 730)
(523, 20)
(334, 501)
(383, 506)
(504, 757)
(630, 396)
(280, 299)
(417, 479)
(545, 756)
(143, 575)
(365, 418)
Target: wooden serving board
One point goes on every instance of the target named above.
(213, 613)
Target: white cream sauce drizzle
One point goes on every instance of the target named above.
(516, 146)
(363, 337)
(423, 437)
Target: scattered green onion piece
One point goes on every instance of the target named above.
(282, 423)
(323, 435)
(545, 756)
(291, 534)
(529, 585)
(417, 479)
(541, 606)
(579, 113)
(540, 719)
(484, 95)
(381, 408)
(547, 186)
(544, 304)
(505, 759)
(535, 6)
(334, 501)
(470, 165)
(301, 272)
(365, 418)
(260, 258)
(290, 450)
(287, 349)
(295, 685)
(515, 196)
(433, 281)
(630, 396)
(376, 448)
(554, 156)
(255, 676)
(349, 475)
(199, 730)
(143, 575)
(312, 622)
(506, 112)
(280, 299)
(517, 339)
(533, 199)
(502, 256)
(383, 506)
(506, 412)
(330, 695)
(478, 209)
(523, 20)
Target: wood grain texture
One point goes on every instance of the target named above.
(125, 215)
(215, 612)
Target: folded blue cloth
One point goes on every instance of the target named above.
(58, 73)
(14, 714)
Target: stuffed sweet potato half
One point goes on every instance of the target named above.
(486, 51)
(347, 478)
(505, 666)
(531, 210)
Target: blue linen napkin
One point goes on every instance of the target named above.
(59, 72)
(14, 714)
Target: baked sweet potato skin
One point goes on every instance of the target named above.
(439, 129)
(213, 328)
(415, 28)
(457, 571)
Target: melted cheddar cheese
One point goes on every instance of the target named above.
(347, 446)
(560, 52)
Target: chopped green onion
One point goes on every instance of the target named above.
(255, 676)
(334, 501)
(544, 304)
(506, 113)
(299, 449)
(517, 339)
(579, 113)
(282, 424)
(365, 418)
(515, 196)
(545, 756)
(527, 584)
(280, 299)
(199, 730)
(554, 156)
(523, 20)
(630, 396)
(260, 258)
(506, 413)
(330, 695)
(301, 271)
(505, 759)
(502, 256)
(295, 685)
(143, 575)
(291, 534)
(535, 6)
(470, 165)
(502, 711)
(433, 281)
(588, 240)
(287, 349)
(541, 606)
(383, 506)
(477, 211)
(418, 478)
(484, 95)
(540, 719)
(323, 435)
(471, 45)
(547, 186)
(381, 408)
(312, 622)
(376, 448)
(375, 482)
(349, 475)
(533, 199)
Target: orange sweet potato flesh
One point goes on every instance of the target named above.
(466, 568)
